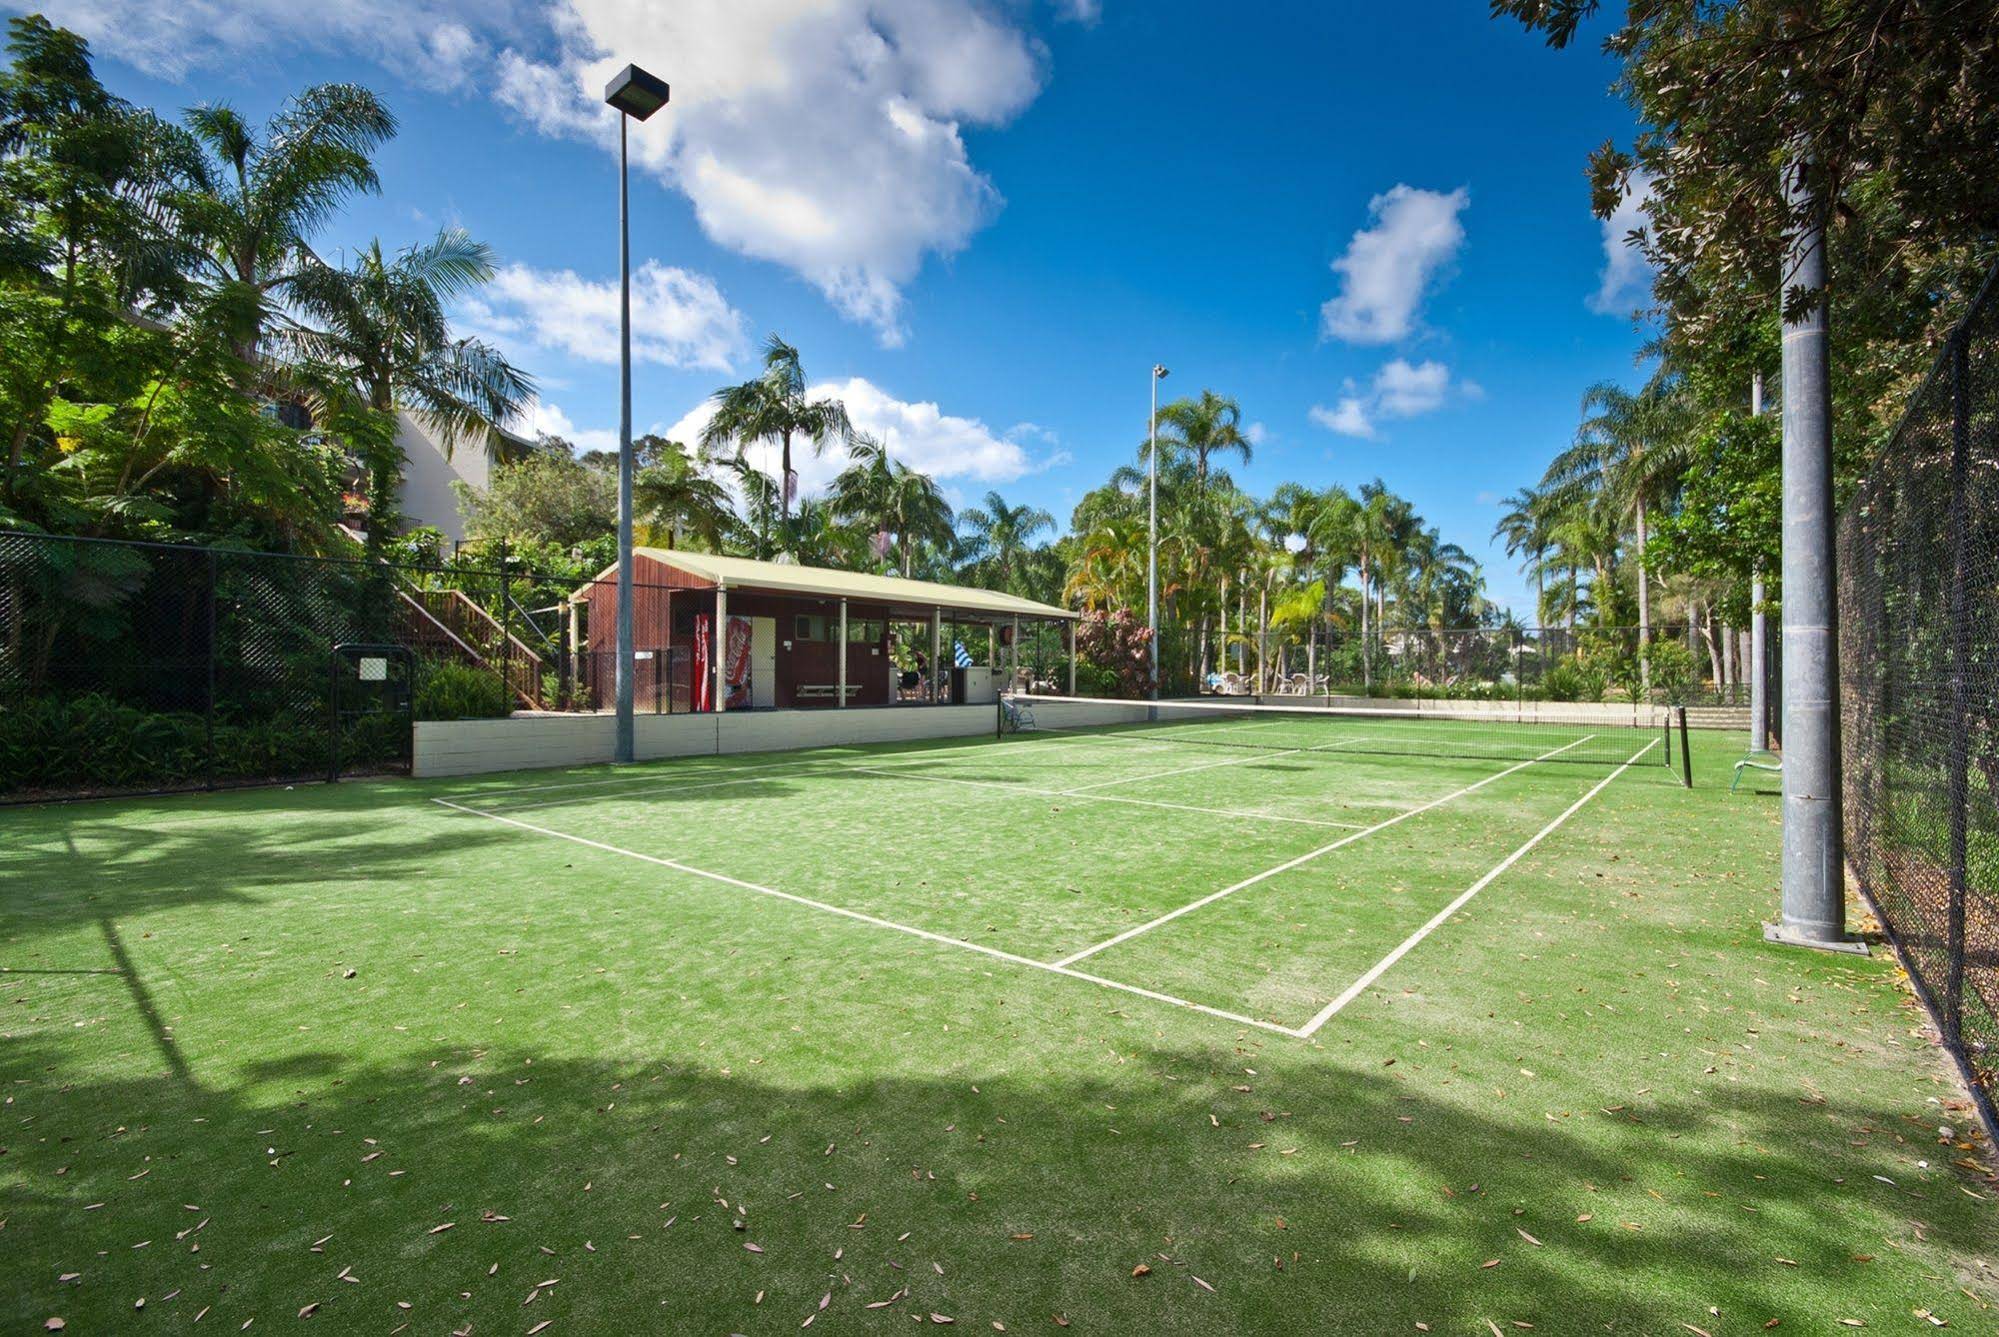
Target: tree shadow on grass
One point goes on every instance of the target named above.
(657, 1195)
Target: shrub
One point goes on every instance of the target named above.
(92, 743)
(1571, 682)
(1117, 646)
(1674, 673)
(451, 691)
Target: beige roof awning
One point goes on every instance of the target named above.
(823, 582)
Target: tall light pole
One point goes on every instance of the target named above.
(635, 94)
(1814, 869)
(1159, 374)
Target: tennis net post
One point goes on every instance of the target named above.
(1686, 754)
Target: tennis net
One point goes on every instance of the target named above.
(1590, 735)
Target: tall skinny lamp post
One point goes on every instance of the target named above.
(1159, 374)
(636, 95)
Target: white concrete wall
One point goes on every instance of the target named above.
(427, 497)
(530, 742)
(1698, 717)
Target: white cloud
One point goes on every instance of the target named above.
(1400, 389)
(1256, 434)
(1412, 235)
(679, 319)
(443, 43)
(923, 436)
(541, 419)
(1080, 11)
(919, 433)
(1403, 389)
(1349, 418)
(1626, 281)
(821, 135)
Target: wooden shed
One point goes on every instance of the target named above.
(797, 636)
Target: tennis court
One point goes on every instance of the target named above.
(1261, 864)
(1246, 1022)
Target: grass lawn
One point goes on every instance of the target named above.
(745, 1044)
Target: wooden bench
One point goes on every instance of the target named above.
(823, 691)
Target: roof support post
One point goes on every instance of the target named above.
(721, 648)
(1072, 657)
(842, 655)
(936, 651)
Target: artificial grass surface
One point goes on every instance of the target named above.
(1592, 1101)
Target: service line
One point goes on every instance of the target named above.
(1310, 855)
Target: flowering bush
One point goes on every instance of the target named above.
(1116, 652)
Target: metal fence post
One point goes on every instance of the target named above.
(506, 631)
(208, 699)
(1959, 802)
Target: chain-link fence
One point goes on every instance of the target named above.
(139, 667)
(1919, 685)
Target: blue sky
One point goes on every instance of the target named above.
(984, 220)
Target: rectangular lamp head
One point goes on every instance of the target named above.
(636, 93)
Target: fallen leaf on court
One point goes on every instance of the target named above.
(1142, 1270)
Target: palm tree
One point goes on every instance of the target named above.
(674, 494)
(380, 327)
(817, 536)
(922, 516)
(1109, 574)
(1208, 425)
(257, 199)
(863, 494)
(1369, 530)
(1001, 535)
(1524, 527)
(1628, 450)
(759, 491)
(773, 407)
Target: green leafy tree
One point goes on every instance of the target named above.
(677, 497)
(1000, 537)
(1201, 427)
(545, 497)
(257, 198)
(381, 324)
(87, 184)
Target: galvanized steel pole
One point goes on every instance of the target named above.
(623, 750)
(1152, 528)
(1814, 903)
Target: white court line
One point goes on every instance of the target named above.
(1307, 857)
(675, 788)
(1183, 770)
(1381, 967)
(660, 770)
(1100, 798)
(878, 922)
(1233, 761)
